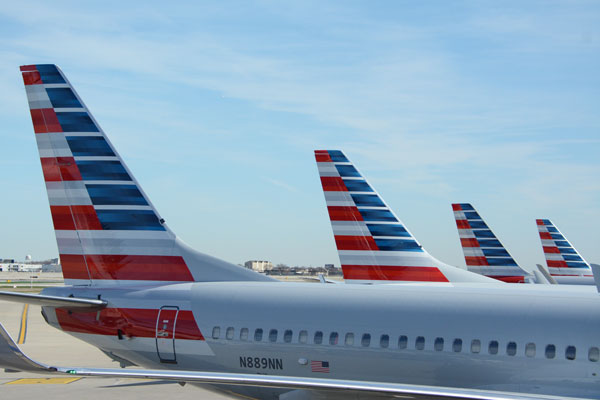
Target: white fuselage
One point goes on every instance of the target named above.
(495, 337)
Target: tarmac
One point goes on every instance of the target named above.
(51, 346)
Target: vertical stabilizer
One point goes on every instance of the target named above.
(484, 254)
(565, 264)
(374, 246)
(107, 230)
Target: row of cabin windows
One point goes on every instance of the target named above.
(384, 342)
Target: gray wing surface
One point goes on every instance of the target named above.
(12, 357)
(54, 301)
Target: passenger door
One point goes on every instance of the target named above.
(165, 334)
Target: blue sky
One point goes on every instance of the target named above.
(217, 108)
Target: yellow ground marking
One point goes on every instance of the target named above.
(38, 381)
(23, 330)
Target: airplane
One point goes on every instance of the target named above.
(565, 264)
(136, 291)
(374, 246)
(484, 254)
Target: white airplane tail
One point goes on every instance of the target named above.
(564, 261)
(484, 254)
(107, 230)
(374, 246)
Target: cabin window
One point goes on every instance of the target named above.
(302, 337)
(457, 345)
(244, 334)
(493, 347)
(384, 341)
(273, 335)
(475, 346)
(570, 352)
(530, 350)
(258, 335)
(550, 351)
(287, 336)
(318, 337)
(366, 340)
(216, 332)
(333, 338)
(511, 348)
(402, 342)
(229, 333)
(594, 354)
(349, 339)
(420, 343)
(438, 345)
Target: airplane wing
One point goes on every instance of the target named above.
(12, 357)
(71, 303)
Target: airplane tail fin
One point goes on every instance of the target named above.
(561, 257)
(484, 254)
(373, 244)
(107, 230)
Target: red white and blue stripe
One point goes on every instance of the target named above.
(106, 228)
(562, 258)
(484, 254)
(373, 244)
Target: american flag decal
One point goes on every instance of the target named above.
(319, 366)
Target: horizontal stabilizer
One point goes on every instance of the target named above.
(54, 301)
(12, 357)
(546, 274)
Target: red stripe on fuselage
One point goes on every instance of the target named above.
(333, 184)
(341, 213)
(132, 322)
(356, 243)
(393, 273)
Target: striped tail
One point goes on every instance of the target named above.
(565, 264)
(107, 230)
(374, 246)
(484, 254)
